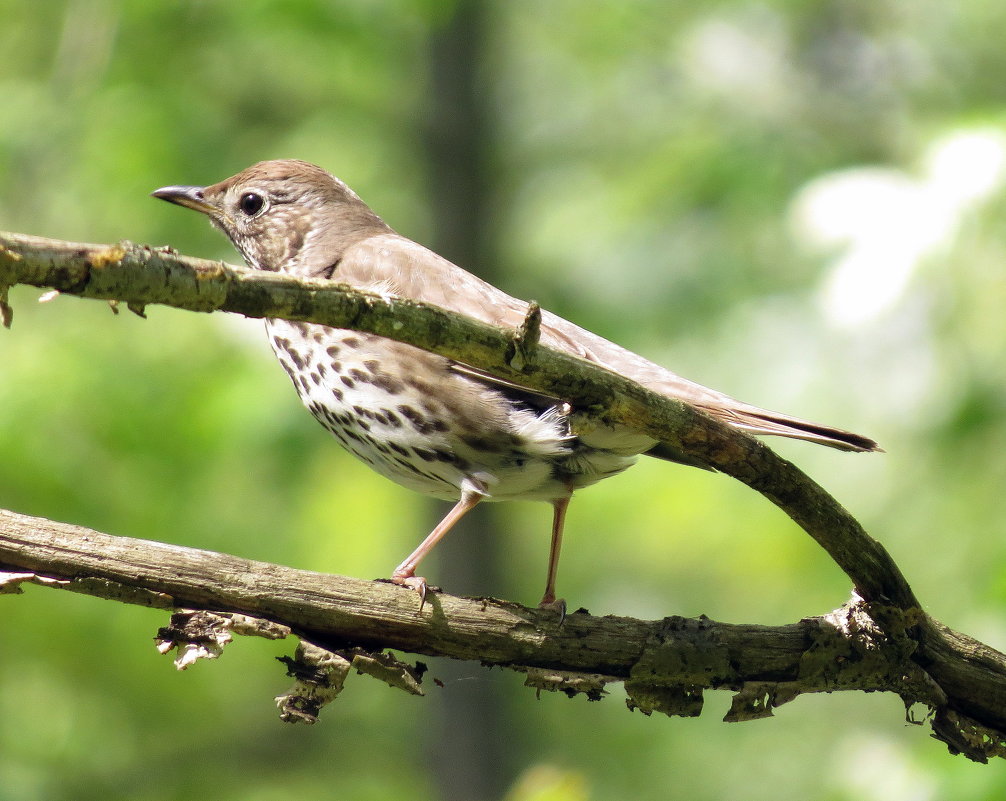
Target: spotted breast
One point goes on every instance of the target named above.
(433, 426)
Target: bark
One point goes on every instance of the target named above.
(881, 640)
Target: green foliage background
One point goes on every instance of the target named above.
(649, 164)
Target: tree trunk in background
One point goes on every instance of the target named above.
(471, 747)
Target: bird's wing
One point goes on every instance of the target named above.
(393, 264)
(532, 397)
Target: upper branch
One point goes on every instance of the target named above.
(141, 275)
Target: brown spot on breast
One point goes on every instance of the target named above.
(388, 383)
(416, 419)
(419, 385)
(478, 443)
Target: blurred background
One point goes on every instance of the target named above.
(798, 203)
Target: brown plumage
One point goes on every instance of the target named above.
(441, 428)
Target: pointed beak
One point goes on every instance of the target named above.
(189, 196)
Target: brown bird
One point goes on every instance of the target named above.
(431, 424)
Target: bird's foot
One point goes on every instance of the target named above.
(557, 605)
(417, 583)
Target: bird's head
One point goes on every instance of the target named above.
(283, 215)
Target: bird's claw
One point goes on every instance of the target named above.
(417, 583)
(557, 605)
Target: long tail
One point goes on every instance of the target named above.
(762, 421)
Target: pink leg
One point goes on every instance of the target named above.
(405, 573)
(548, 600)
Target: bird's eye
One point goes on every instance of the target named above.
(251, 203)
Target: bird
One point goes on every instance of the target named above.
(433, 424)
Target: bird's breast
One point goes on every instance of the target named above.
(407, 415)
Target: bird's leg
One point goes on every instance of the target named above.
(548, 600)
(405, 573)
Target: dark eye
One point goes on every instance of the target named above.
(251, 203)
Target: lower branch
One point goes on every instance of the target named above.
(346, 623)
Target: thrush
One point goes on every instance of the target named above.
(432, 424)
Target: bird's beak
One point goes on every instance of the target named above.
(189, 196)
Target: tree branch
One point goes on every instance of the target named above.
(139, 276)
(663, 663)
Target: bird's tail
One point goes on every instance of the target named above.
(761, 421)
